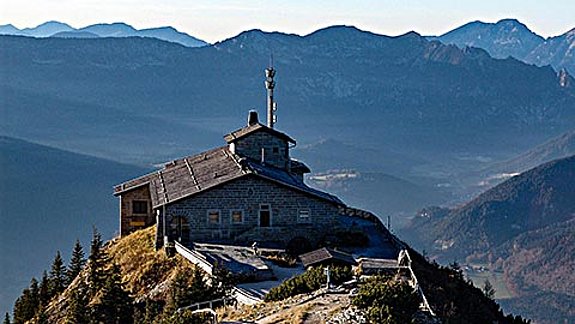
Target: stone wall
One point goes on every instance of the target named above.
(247, 194)
(130, 221)
(276, 149)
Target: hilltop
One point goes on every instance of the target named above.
(151, 277)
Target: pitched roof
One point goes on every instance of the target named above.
(190, 175)
(249, 129)
(325, 254)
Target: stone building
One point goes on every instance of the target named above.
(249, 190)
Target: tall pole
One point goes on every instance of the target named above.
(270, 84)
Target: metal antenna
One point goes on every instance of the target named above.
(270, 85)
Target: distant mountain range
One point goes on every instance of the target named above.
(62, 30)
(509, 37)
(524, 227)
(404, 107)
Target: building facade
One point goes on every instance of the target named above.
(248, 191)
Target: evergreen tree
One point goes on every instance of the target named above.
(77, 312)
(180, 294)
(24, 308)
(44, 290)
(97, 263)
(42, 318)
(57, 276)
(34, 295)
(488, 289)
(115, 304)
(6, 319)
(222, 283)
(77, 262)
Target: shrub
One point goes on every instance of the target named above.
(387, 301)
(307, 282)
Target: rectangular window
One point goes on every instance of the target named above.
(304, 216)
(265, 215)
(237, 216)
(213, 216)
(139, 207)
(276, 150)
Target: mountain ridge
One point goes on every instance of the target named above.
(510, 37)
(116, 29)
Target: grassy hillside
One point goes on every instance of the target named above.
(145, 272)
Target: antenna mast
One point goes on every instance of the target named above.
(270, 84)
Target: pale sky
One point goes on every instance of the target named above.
(214, 20)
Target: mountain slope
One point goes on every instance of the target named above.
(507, 37)
(523, 227)
(555, 148)
(558, 52)
(532, 200)
(49, 197)
(170, 34)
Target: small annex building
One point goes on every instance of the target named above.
(326, 257)
(249, 190)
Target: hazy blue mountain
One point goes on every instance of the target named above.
(170, 34)
(523, 227)
(558, 52)
(50, 197)
(61, 30)
(47, 29)
(111, 30)
(533, 200)
(507, 37)
(9, 29)
(75, 34)
(555, 148)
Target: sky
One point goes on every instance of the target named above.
(215, 20)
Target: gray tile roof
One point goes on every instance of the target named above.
(256, 128)
(190, 175)
(325, 254)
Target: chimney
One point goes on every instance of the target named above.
(253, 118)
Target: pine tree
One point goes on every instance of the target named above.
(34, 295)
(488, 289)
(77, 312)
(41, 317)
(6, 319)
(44, 290)
(77, 262)
(57, 276)
(24, 308)
(97, 263)
(115, 304)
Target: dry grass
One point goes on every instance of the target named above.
(143, 268)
